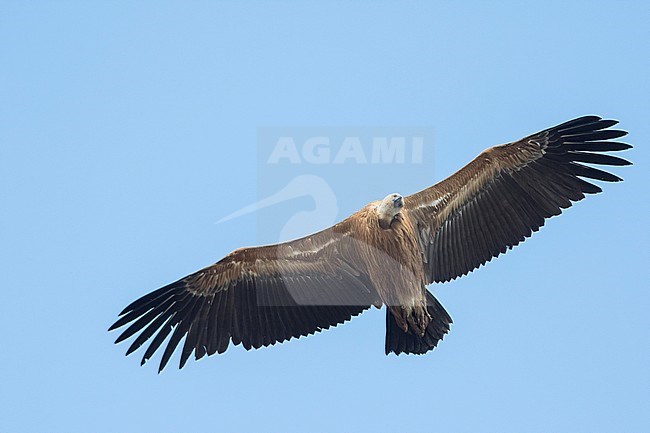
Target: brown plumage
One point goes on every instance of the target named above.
(384, 254)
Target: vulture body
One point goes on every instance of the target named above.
(384, 254)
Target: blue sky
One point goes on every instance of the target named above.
(128, 129)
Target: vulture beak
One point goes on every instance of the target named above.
(398, 202)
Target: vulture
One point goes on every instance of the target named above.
(387, 253)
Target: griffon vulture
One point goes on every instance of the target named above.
(384, 254)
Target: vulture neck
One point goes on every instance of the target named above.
(386, 219)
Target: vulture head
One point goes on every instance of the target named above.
(388, 209)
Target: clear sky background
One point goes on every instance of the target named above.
(127, 129)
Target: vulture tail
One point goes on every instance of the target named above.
(398, 341)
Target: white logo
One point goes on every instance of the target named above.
(321, 150)
(301, 223)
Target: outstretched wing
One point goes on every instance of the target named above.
(254, 296)
(507, 192)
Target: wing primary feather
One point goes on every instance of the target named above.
(158, 340)
(245, 314)
(222, 327)
(256, 321)
(592, 158)
(182, 319)
(594, 146)
(148, 299)
(591, 172)
(588, 188)
(561, 188)
(150, 330)
(190, 341)
(264, 311)
(226, 324)
(184, 327)
(201, 342)
(197, 336)
(144, 320)
(213, 323)
(588, 127)
(575, 122)
(238, 305)
(129, 317)
(595, 135)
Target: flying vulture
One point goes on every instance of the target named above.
(384, 254)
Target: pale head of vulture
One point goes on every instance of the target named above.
(388, 209)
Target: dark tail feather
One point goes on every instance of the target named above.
(398, 341)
